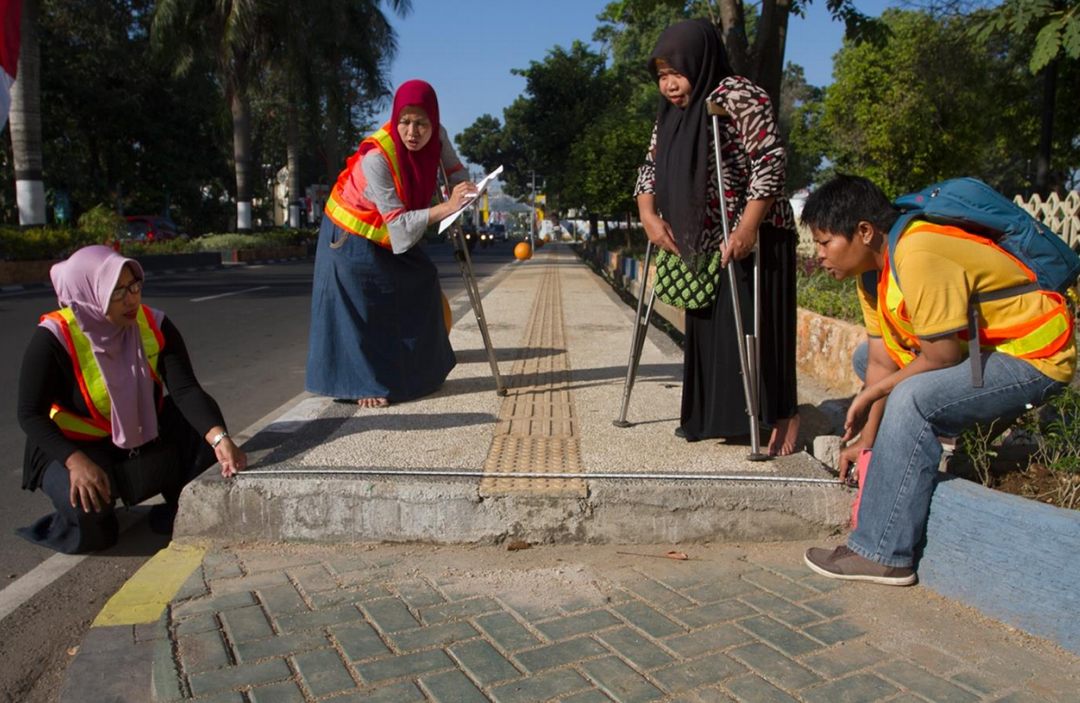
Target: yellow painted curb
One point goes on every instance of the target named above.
(143, 598)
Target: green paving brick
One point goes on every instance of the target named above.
(576, 604)
(586, 697)
(194, 587)
(559, 654)
(531, 610)
(781, 586)
(319, 618)
(635, 648)
(249, 583)
(540, 688)
(359, 641)
(206, 622)
(346, 564)
(713, 614)
(230, 697)
(323, 672)
(706, 641)
(389, 615)
(783, 610)
(620, 682)
(434, 636)
(163, 674)
(754, 689)
(822, 584)
(704, 671)
(844, 660)
(504, 630)
(400, 692)
(705, 695)
(281, 646)
(435, 614)
(313, 579)
(483, 662)
(203, 651)
(725, 589)
(282, 600)
(287, 692)
(861, 688)
(452, 687)
(835, 632)
(924, 683)
(1021, 697)
(242, 675)
(221, 565)
(418, 593)
(648, 620)
(780, 636)
(775, 666)
(572, 625)
(407, 665)
(831, 607)
(212, 604)
(658, 595)
(245, 624)
(328, 599)
(976, 681)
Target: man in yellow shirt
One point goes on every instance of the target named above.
(916, 367)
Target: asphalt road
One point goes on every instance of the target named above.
(246, 328)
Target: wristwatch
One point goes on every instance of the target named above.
(217, 439)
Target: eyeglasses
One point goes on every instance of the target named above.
(135, 287)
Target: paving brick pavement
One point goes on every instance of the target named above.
(579, 624)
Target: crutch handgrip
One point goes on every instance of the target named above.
(714, 109)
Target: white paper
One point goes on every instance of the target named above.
(480, 188)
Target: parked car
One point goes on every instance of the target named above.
(151, 228)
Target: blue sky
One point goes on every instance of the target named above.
(466, 48)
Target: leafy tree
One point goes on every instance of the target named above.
(803, 158)
(930, 104)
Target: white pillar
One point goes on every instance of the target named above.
(30, 196)
(243, 215)
(294, 215)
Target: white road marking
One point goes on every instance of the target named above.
(225, 295)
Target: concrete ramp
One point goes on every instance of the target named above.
(542, 464)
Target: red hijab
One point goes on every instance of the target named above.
(419, 169)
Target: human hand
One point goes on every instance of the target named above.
(232, 458)
(857, 414)
(660, 233)
(459, 197)
(89, 483)
(739, 245)
(849, 456)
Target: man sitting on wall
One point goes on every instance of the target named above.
(918, 376)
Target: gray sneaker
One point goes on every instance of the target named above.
(842, 563)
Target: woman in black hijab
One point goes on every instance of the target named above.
(679, 203)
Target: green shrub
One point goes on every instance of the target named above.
(1057, 432)
(169, 246)
(101, 223)
(262, 240)
(42, 243)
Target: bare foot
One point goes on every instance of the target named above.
(784, 436)
(372, 402)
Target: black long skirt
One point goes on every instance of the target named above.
(713, 401)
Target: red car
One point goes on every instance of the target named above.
(150, 228)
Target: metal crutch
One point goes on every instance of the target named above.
(461, 254)
(637, 341)
(748, 344)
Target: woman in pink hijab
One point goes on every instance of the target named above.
(91, 401)
(377, 330)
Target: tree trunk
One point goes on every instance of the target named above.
(25, 120)
(241, 114)
(733, 29)
(594, 227)
(295, 193)
(769, 47)
(1046, 138)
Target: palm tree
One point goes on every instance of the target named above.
(25, 121)
(231, 34)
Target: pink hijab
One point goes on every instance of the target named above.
(84, 283)
(419, 169)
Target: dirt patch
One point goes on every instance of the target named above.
(1013, 471)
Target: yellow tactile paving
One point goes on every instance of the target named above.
(536, 430)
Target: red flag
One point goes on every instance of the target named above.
(10, 21)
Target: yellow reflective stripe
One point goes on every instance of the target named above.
(387, 143)
(149, 340)
(1041, 337)
(337, 212)
(74, 423)
(95, 382)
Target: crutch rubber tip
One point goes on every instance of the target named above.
(502, 392)
(621, 423)
(757, 456)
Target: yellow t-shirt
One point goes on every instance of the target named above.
(938, 274)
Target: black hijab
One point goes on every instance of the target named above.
(694, 49)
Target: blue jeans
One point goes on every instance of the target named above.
(900, 479)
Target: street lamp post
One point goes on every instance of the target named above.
(532, 222)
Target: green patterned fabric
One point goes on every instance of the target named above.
(677, 285)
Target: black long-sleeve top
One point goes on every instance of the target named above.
(48, 377)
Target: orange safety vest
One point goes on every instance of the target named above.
(1038, 338)
(366, 223)
(91, 382)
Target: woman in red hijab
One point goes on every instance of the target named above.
(377, 329)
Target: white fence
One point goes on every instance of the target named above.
(1062, 215)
